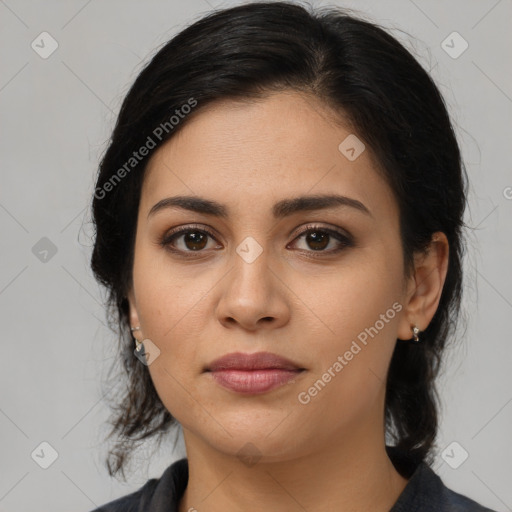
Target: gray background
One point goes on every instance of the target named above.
(56, 116)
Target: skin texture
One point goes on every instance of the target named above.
(313, 456)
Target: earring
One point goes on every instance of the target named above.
(139, 344)
(415, 332)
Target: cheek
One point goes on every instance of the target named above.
(356, 318)
(169, 296)
(167, 308)
(344, 302)
(350, 374)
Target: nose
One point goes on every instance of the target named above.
(253, 295)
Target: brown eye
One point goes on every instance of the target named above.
(195, 241)
(317, 239)
(188, 239)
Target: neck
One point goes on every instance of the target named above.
(352, 474)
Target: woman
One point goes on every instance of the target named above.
(279, 221)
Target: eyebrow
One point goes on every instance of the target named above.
(281, 209)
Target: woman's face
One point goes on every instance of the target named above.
(261, 283)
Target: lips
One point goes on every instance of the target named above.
(257, 361)
(253, 373)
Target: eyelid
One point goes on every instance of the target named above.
(191, 227)
(320, 227)
(180, 230)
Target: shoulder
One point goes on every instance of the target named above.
(454, 502)
(426, 492)
(131, 502)
(156, 495)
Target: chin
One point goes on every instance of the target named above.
(251, 440)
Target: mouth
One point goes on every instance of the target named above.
(253, 373)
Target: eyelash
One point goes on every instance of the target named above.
(344, 240)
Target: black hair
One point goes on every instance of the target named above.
(368, 79)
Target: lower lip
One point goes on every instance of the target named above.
(253, 381)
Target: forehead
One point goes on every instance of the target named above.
(251, 154)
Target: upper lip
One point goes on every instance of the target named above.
(256, 361)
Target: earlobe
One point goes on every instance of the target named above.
(134, 317)
(425, 286)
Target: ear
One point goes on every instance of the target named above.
(134, 317)
(425, 286)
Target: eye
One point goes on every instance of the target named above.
(317, 238)
(193, 239)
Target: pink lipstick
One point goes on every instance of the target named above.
(253, 373)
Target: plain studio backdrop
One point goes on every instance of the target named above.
(58, 102)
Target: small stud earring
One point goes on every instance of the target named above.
(139, 344)
(415, 332)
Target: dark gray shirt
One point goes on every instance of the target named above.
(424, 492)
